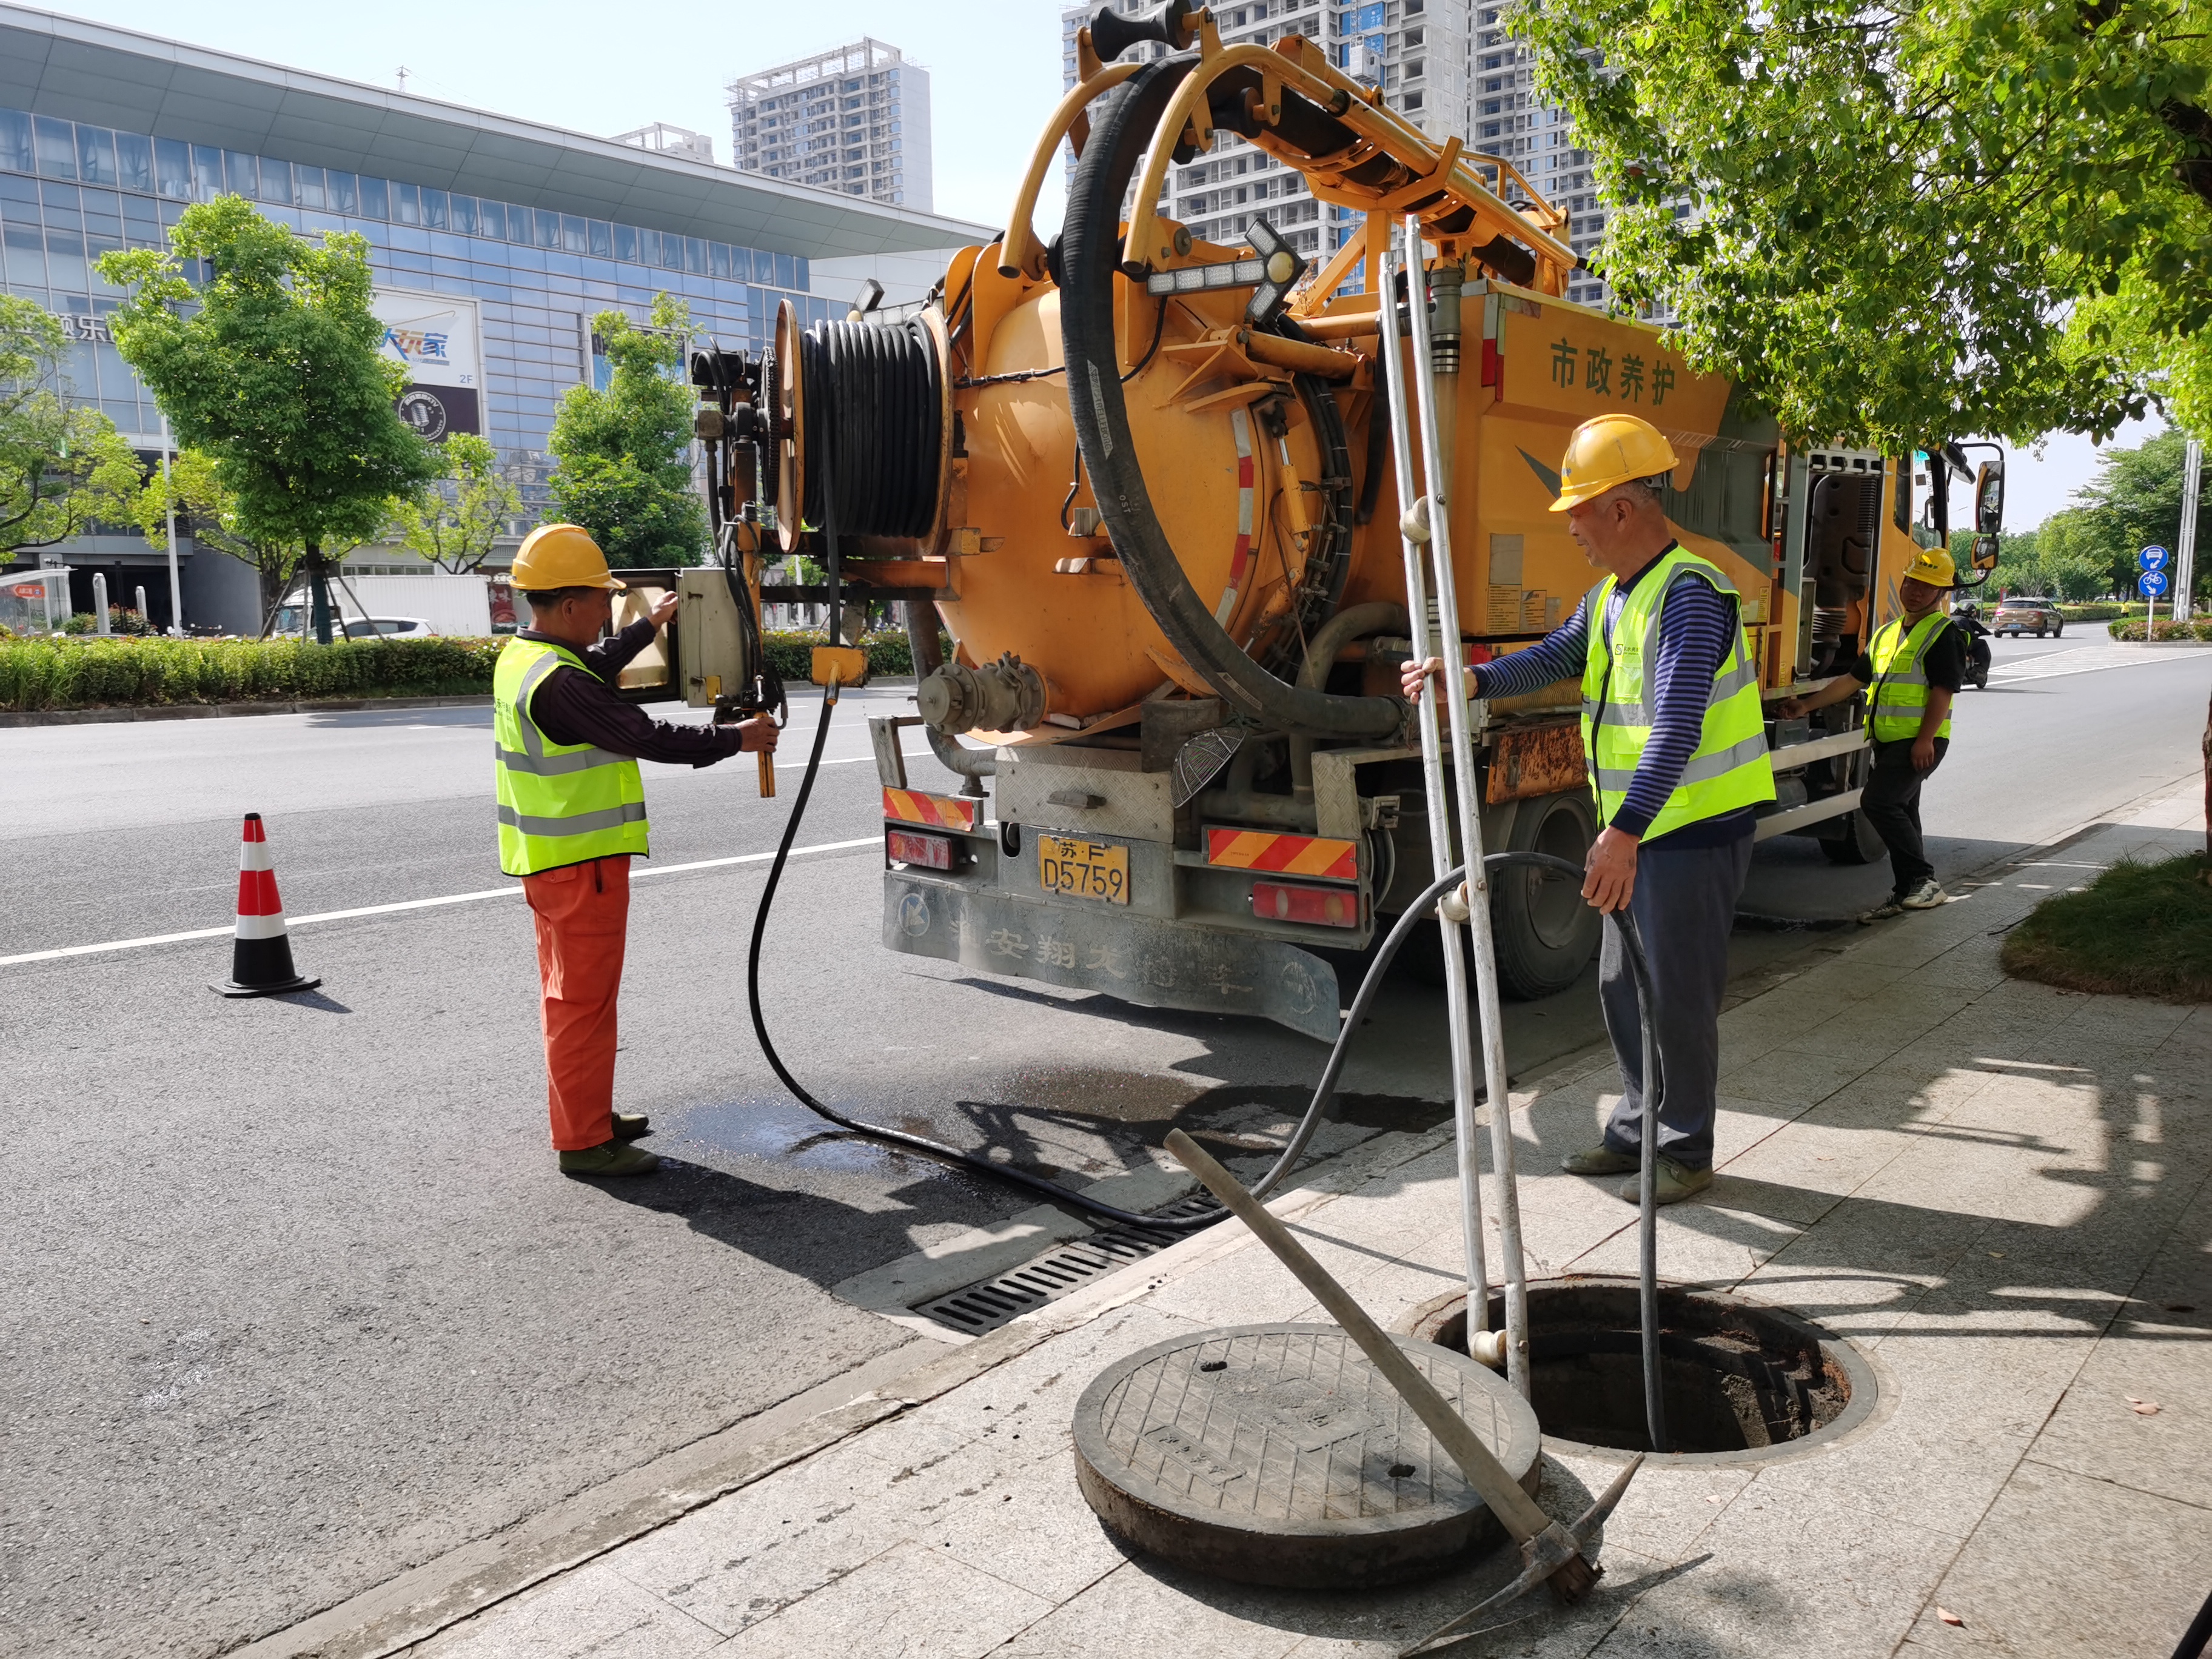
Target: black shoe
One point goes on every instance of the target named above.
(611, 1159)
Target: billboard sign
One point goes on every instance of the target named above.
(439, 340)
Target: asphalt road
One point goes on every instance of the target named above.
(300, 1300)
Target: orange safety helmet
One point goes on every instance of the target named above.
(1610, 450)
(561, 555)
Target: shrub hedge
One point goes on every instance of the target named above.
(77, 671)
(90, 673)
(2132, 628)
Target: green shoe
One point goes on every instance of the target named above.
(614, 1158)
(628, 1126)
(1598, 1160)
(1672, 1182)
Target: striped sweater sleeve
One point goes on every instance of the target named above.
(1558, 656)
(1693, 633)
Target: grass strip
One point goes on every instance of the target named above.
(2139, 930)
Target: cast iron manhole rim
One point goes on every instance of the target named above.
(1434, 1318)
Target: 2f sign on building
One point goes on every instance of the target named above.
(438, 338)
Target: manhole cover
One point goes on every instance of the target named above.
(1277, 1455)
(1742, 1380)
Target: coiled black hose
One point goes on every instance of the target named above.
(874, 427)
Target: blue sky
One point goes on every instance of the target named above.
(994, 76)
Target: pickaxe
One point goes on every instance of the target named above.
(1550, 1552)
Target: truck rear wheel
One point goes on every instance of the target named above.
(1855, 842)
(1546, 934)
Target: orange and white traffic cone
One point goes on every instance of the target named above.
(261, 949)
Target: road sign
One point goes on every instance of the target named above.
(2151, 584)
(2152, 558)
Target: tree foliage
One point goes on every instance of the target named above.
(624, 470)
(1900, 212)
(209, 513)
(2088, 549)
(458, 520)
(63, 466)
(271, 369)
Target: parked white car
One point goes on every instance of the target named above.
(389, 628)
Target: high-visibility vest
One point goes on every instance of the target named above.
(559, 803)
(1730, 768)
(1900, 699)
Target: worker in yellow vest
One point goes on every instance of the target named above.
(572, 815)
(1915, 665)
(1676, 748)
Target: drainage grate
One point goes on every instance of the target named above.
(991, 1302)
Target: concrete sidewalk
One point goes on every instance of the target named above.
(1997, 1190)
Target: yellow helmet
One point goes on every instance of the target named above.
(561, 555)
(1609, 450)
(1935, 566)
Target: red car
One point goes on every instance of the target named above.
(2018, 617)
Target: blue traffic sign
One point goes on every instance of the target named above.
(2152, 558)
(2151, 584)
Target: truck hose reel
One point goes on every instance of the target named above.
(860, 416)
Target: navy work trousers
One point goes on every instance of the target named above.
(1685, 906)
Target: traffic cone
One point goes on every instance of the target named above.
(260, 950)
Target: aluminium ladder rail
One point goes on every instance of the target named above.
(1425, 524)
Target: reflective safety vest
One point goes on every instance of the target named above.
(1728, 768)
(559, 803)
(1900, 699)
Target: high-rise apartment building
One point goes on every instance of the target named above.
(662, 139)
(855, 120)
(1446, 66)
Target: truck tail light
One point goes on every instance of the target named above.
(908, 847)
(1325, 907)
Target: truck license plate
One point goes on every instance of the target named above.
(1084, 869)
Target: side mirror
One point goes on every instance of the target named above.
(1985, 553)
(1989, 502)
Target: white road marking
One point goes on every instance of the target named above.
(2035, 671)
(512, 891)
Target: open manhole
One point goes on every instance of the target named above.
(1742, 1381)
(1277, 1455)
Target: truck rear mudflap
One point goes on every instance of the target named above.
(1154, 963)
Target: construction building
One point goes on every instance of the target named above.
(855, 120)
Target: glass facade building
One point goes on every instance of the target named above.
(71, 191)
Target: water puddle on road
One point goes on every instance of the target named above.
(1062, 1127)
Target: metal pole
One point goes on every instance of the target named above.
(1437, 465)
(2185, 551)
(1432, 779)
(169, 500)
(140, 590)
(100, 624)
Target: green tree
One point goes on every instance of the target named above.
(63, 466)
(624, 470)
(1899, 210)
(2134, 502)
(208, 512)
(271, 369)
(460, 519)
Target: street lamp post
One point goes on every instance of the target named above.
(2185, 550)
(169, 499)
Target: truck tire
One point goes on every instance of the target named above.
(1546, 934)
(1856, 842)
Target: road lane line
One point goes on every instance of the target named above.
(514, 891)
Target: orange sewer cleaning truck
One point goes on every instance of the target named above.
(1145, 483)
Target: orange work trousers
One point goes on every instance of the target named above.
(582, 914)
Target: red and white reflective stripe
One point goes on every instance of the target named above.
(1240, 422)
(1492, 363)
(260, 912)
